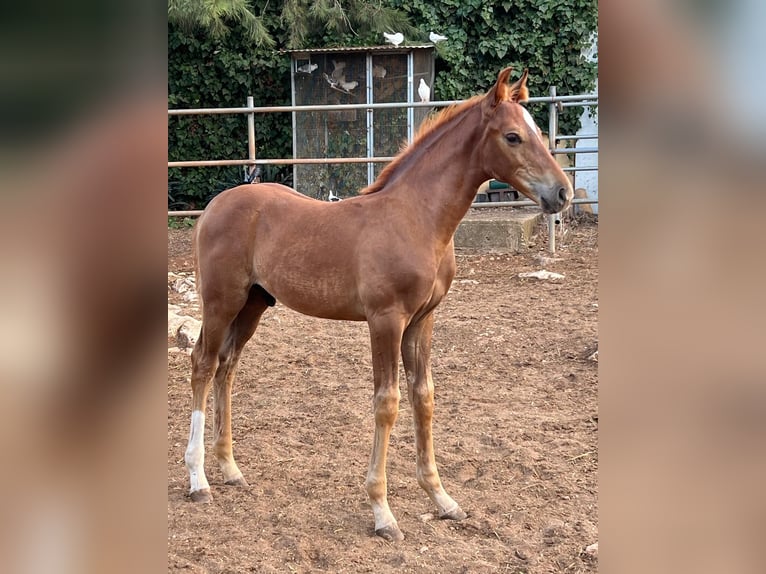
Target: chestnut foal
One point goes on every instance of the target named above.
(255, 244)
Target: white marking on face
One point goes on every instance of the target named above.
(531, 122)
(195, 452)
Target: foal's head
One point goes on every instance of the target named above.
(514, 151)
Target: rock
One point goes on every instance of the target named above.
(176, 319)
(183, 328)
(191, 296)
(176, 350)
(184, 284)
(542, 275)
(592, 550)
(188, 333)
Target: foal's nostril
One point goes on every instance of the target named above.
(563, 194)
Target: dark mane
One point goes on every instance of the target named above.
(428, 126)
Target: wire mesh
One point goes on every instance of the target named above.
(342, 78)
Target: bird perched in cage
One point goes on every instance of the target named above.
(307, 68)
(424, 91)
(341, 84)
(338, 87)
(394, 39)
(378, 72)
(337, 70)
(436, 38)
(333, 83)
(332, 197)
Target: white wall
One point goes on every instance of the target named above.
(588, 125)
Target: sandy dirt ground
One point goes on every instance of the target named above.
(515, 432)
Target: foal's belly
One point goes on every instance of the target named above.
(317, 297)
(324, 309)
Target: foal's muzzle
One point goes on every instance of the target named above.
(556, 199)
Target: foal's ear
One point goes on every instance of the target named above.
(500, 91)
(518, 92)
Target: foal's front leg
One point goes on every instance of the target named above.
(416, 355)
(385, 336)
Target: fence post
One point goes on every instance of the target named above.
(251, 140)
(552, 130)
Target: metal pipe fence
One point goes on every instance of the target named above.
(578, 137)
(284, 161)
(481, 204)
(555, 102)
(248, 109)
(525, 203)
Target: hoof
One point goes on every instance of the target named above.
(202, 495)
(454, 514)
(390, 533)
(239, 481)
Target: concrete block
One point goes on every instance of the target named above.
(500, 230)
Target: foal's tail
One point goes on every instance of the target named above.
(195, 259)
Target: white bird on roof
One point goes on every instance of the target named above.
(394, 39)
(436, 38)
(424, 91)
(307, 68)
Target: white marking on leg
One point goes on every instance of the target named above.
(230, 470)
(383, 516)
(443, 501)
(195, 453)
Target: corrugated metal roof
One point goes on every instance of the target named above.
(349, 49)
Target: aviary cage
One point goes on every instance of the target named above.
(374, 74)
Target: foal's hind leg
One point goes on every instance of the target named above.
(217, 316)
(204, 364)
(416, 356)
(239, 334)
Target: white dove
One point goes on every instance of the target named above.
(394, 39)
(307, 68)
(424, 91)
(348, 86)
(436, 38)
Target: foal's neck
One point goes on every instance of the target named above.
(444, 170)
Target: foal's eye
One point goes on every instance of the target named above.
(513, 138)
